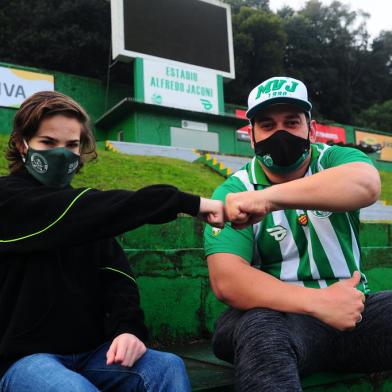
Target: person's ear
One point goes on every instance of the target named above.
(21, 147)
(251, 133)
(312, 131)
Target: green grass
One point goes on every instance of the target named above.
(119, 171)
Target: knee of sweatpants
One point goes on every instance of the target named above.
(263, 328)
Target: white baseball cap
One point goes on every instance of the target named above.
(278, 90)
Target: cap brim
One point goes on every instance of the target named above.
(303, 105)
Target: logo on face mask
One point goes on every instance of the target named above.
(73, 166)
(39, 163)
(267, 160)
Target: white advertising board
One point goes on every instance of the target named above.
(179, 86)
(16, 85)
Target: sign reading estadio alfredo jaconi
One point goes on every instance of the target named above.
(180, 86)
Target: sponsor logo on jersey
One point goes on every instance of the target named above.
(321, 214)
(302, 220)
(216, 231)
(278, 232)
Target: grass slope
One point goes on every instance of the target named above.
(119, 171)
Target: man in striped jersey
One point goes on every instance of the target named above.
(288, 265)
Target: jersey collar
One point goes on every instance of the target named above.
(256, 173)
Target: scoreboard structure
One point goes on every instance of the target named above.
(192, 32)
(182, 51)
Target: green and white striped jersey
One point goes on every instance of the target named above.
(307, 248)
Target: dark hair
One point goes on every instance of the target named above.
(34, 110)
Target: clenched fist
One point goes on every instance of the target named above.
(246, 208)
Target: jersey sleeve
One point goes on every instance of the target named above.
(229, 240)
(336, 156)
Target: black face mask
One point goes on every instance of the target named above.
(282, 152)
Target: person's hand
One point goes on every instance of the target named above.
(341, 304)
(212, 212)
(246, 208)
(125, 350)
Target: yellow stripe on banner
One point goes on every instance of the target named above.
(32, 75)
(52, 224)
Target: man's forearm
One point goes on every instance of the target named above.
(244, 287)
(343, 188)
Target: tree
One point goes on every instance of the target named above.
(255, 4)
(259, 43)
(326, 47)
(65, 35)
(379, 67)
(378, 116)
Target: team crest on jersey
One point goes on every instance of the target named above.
(278, 232)
(321, 214)
(216, 231)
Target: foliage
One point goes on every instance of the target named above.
(256, 4)
(328, 47)
(378, 116)
(64, 35)
(259, 42)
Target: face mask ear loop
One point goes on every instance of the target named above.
(253, 132)
(308, 122)
(22, 156)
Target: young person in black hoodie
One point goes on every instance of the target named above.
(70, 318)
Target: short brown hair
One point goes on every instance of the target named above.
(38, 107)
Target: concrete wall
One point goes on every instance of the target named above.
(168, 261)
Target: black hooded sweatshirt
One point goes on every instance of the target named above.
(65, 283)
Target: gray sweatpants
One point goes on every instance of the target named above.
(271, 350)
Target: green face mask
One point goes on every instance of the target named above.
(54, 167)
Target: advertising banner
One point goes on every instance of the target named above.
(381, 144)
(330, 133)
(17, 85)
(178, 86)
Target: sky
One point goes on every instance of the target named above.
(379, 10)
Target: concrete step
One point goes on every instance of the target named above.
(209, 374)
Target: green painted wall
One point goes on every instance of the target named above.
(168, 261)
(151, 125)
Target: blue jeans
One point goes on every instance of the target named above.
(155, 371)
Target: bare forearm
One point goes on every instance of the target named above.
(244, 287)
(343, 188)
